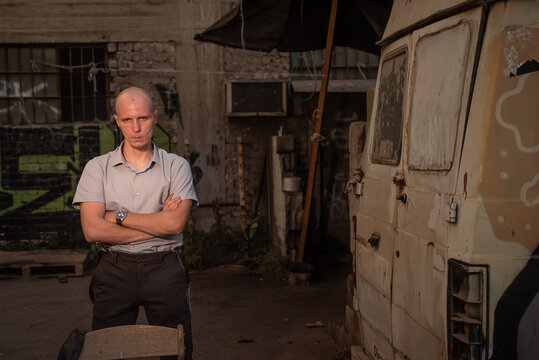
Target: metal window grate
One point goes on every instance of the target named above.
(46, 85)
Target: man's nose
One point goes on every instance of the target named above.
(136, 125)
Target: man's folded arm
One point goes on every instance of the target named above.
(97, 228)
(171, 220)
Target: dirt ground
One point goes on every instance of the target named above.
(236, 314)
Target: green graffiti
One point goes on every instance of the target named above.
(161, 138)
(107, 141)
(44, 163)
(70, 165)
(55, 164)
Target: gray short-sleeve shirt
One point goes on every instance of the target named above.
(110, 179)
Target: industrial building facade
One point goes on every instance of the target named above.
(62, 64)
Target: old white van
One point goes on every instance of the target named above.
(444, 196)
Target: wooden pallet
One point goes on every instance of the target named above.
(42, 263)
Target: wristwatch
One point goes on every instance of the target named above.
(120, 216)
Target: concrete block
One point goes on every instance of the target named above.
(127, 46)
(113, 64)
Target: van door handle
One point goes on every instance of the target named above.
(374, 240)
(402, 198)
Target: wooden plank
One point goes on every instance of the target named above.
(43, 256)
(42, 263)
(131, 341)
(317, 128)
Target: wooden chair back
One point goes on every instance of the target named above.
(133, 341)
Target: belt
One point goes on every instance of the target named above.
(148, 258)
(144, 257)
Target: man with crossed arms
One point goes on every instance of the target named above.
(134, 203)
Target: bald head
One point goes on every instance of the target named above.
(133, 94)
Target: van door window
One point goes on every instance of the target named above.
(438, 78)
(387, 139)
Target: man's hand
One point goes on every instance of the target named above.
(171, 204)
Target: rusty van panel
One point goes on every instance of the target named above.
(374, 307)
(414, 340)
(510, 188)
(425, 215)
(373, 260)
(419, 282)
(378, 199)
(375, 343)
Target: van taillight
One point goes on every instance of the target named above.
(467, 311)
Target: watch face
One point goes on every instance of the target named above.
(120, 215)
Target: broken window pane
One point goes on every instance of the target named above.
(387, 141)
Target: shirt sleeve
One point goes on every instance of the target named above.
(90, 187)
(182, 181)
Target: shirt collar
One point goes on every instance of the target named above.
(118, 158)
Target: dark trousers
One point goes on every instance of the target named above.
(158, 281)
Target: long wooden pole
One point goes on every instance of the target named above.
(317, 128)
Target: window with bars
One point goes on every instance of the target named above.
(52, 84)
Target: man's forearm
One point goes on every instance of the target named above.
(159, 224)
(97, 229)
(110, 233)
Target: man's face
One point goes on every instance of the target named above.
(136, 119)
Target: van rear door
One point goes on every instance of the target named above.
(376, 208)
(440, 80)
(413, 148)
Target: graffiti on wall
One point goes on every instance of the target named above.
(40, 167)
(171, 102)
(39, 172)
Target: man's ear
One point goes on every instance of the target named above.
(116, 119)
